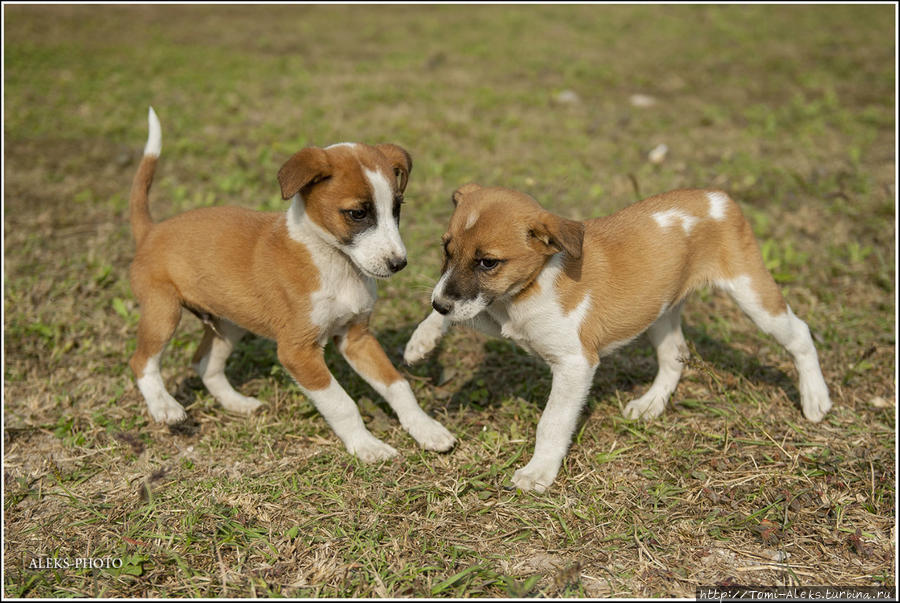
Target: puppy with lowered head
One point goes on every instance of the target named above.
(572, 292)
(300, 277)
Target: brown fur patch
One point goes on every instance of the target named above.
(304, 168)
(141, 221)
(306, 364)
(231, 263)
(366, 355)
(400, 161)
(633, 267)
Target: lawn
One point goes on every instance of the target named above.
(791, 109)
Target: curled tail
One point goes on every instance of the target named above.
(141, 222)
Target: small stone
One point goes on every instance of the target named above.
(567, 97)
(658, 153)
(880, 402)
(781, 556)
(641, 100)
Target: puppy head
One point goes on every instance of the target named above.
(350, 195)
(498, 242)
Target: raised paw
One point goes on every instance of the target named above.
(431, 435)
(649, 406)
(423, 340)
(535, 476)
(371, 450)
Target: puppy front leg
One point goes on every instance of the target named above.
(429, 332)
(572, 379)
(306, 364)
(425, 338)
(367, 358)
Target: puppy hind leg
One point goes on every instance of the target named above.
(668, 340)
(758, 296)
(160, 315)
(209, 362)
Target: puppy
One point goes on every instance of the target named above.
(572, 292)
(301, 278)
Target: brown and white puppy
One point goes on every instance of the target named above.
(301, 278)
(572, 292)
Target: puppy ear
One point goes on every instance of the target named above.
(464, 190)
(400, 161)
(553, 234)
(303, 168)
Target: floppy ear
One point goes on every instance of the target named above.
(400, 161)
(303, 168)
(464, 190)
(553, 234)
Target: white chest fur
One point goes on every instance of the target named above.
(344, 293)
(539, 324)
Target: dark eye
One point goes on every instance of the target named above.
(358, 215)
(487, 263)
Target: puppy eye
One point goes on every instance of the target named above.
(357, 215)
(488, 263)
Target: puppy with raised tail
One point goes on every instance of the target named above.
(572, 292)
(300, 277)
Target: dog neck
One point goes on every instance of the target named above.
(302, 229)
(544, 281)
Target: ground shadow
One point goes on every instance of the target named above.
(505, 371)
(255, 358)
(508, 371)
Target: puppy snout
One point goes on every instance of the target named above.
(441, 307)
(396, 264)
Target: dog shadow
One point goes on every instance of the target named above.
(505, 371)
(508, 371)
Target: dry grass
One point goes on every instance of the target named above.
(791, 109)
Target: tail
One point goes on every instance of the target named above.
(141, 222)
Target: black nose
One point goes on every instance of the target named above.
(441, 308)
(397, 265)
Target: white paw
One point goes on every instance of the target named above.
(165, 409)
(814, 399)
(370, 449)
(431, 435)
(535, 476)
(239, 404)
(649, 406)
(423, 340)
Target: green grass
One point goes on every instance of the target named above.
(788, 108)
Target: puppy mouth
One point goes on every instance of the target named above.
(383, 276)
(469, 309)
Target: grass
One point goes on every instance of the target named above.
(788, 108)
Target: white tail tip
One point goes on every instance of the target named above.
(154, 138)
